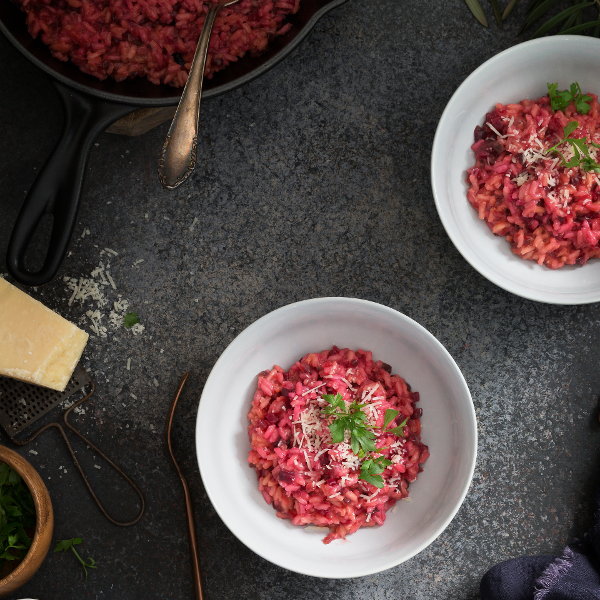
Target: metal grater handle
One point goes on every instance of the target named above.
(96, 449)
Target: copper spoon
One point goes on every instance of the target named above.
(178, 157)
(188, 499)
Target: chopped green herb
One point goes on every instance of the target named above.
(371, 469)
(390, 415)
(559, 100)
(580, 147)
(131, 319)
(351, 419)
(64, 545)
(17, 513)
(400, 429)
(354, 420)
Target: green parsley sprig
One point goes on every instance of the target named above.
(17, 513)
(65, 545)
(354, 420)
(559, 100)
(581, 154)
(130, 319)
(371, 469)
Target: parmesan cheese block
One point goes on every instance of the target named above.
(36, 344)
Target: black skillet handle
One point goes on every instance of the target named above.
(57, 189)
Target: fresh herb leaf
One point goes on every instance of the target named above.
(371, 469)
(65, 545)
(17, 513)
(130, 320)
(559, 100)
(364, 438)
(337, 402)
(351, 419)
(569, 128)
(390, 415)
(580, 147)
(400, 429)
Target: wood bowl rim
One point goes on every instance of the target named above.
(44, 522)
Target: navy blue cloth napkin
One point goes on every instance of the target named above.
(573, 576)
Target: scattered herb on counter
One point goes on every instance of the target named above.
(130, 320)
(559, 100)
(64, 545)
(17, 513)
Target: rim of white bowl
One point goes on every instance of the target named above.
(481, 266)
(248, 540)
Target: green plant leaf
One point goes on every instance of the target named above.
(496, 11)
(533, 4)
(559, 18)
(536, 13)
(477, 11)
(508, 9)
(580, 28)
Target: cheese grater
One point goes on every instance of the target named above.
(22, 404)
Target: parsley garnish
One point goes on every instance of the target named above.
(17, 513)
(579, 145)
(354, 420)
(131, 319)
(64, 545)
(371, 469)
(559, 100)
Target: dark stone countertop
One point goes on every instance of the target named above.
(313, 181)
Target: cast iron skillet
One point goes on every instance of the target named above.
(91, 106)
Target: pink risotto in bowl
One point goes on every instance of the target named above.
(336, 440)
(535, 180)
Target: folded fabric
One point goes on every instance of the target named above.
(573, 576)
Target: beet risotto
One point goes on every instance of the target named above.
(535, 179)
(152, 38)
(336, 440)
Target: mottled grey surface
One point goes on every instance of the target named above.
(313, 181)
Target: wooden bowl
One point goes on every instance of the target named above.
(44, 523)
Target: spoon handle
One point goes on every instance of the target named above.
(178, 156)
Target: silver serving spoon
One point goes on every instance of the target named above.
(178, 156)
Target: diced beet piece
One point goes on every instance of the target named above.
(489, 149)
(286, 476)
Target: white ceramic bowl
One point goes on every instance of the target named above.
(517, 73)
(283, 337)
